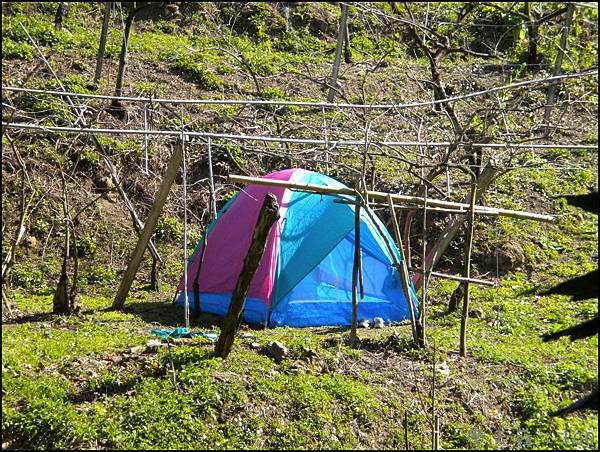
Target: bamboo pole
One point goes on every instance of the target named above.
(271, 139)
(481, 282)
(159, 202)
(268, 215)
(468, 247)
(275, 139)
(355, 269)
(404, 276)
(482, 210)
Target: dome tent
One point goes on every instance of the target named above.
(305, 275)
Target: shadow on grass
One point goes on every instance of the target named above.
(166, 314)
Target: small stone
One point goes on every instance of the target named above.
(363, 323)
(276, 350)
(442, 369)
(247, 336)
(136, 350)
(378, 322)
(153, 344)
(254, 345)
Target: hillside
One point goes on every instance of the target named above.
(97, 378)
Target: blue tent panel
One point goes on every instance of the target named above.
(255, 309)
(324, 296)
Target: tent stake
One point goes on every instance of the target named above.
(355, 269)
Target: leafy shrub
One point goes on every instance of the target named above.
(86, 245)
(29, 277)
(197, 72)
(12, 49)
(102, 275)
(169, 229)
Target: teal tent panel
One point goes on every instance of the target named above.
(313, 226)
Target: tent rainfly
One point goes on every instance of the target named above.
(305, 274)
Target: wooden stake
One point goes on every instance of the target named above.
(404, 276)
(159, 202)
(355, 269)
(268, 215)
(468, 247)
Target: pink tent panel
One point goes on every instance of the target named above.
(228, 244)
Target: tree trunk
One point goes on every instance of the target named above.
(532, 36)
(61, 12)
(467, 272)
(557, 67)
(268, 215)
(117, 106)
(102, 46)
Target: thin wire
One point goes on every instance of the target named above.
(313, 104)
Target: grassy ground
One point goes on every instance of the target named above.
(90, 381)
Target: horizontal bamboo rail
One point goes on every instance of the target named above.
(481, 282)
(415, 200)
(311, 141)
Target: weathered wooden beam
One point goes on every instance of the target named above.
(268, 215)
(159, 202)
(382, 196)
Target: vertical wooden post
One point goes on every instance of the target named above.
(268, 215)
(436, 432)
(421, 323)
(338, 52)
(467, 271)
(406, 443)
(355, 269)
(557, 65)
(159, 202)
(404, 277)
